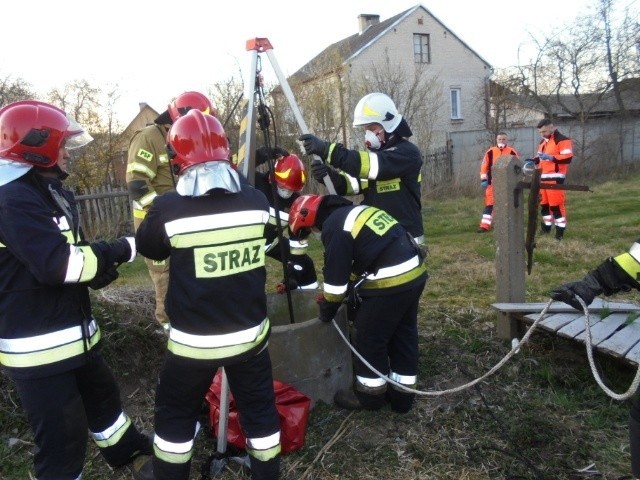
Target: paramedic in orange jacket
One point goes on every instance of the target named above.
(555, 152)
(486, 181)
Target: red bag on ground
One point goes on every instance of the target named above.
(292, 405)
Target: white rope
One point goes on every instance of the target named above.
(594, 371)
(515, 348)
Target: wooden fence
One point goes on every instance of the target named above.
(105, 212)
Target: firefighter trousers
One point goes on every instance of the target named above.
(386, 335)
(182, 387)
(61, 408)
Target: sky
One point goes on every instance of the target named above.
(155, 50)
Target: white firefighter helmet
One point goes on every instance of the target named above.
(377, 108)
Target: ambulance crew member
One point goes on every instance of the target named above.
(555, 153)
(212, 226)
(49, 340)
(387, 173)
(290, 177)
(490, 157)
(616, 274)
(149, 174)
(369, 244)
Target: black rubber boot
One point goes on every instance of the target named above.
(350, 400)
(401, 402)
(142, 467)
(269, 470)
(559, 233)
(545, 229)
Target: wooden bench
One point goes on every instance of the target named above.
(617, 334)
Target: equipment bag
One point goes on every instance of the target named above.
(292, 405)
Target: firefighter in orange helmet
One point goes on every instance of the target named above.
(289, 177)
(555, 153)
(213, 229)
(486, 179)
(149, 175)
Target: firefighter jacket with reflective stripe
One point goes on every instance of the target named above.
(630, 263)
(388, 178)
(216, 300)
(149, 171)
(45, 312)
(361, 241)
(561, 148)
(490, 157)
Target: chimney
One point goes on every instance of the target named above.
(366, 20)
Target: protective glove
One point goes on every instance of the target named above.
(119, 251)
(587, 289)
(263, 154)
(546, 157)
(314, 146)
(319, 170)
(283, 286)
(105, 278)
(484, 183)
(607, 278)
(328, 309)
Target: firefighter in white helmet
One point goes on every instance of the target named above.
(213, 228)
(49, 340)
(387, 173)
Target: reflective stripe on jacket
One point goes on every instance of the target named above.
(216, 300)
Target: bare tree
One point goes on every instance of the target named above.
(93, 165)
(416, 93)
(14, 89)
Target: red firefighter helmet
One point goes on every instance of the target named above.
(197, 138)
(187, 101)
(303, 212)
(33, 132)
(289, 173)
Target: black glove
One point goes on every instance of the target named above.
(105, 278)
(328, 309)
(319, 170)
(587, 289)
(607, 278)
(116, 252)
(314, 146)
(302, 270)
(264, 154)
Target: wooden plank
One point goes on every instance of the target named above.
(633, 355)
(621, 342)
(604, 329)
(576, 327)
(554, 322)
(597, 304)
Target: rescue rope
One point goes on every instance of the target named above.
(594, 371)
(515, 348)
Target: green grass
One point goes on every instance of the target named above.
(541, 416)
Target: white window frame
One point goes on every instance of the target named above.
(455, 103)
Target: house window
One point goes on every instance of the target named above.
(456, 104)
(421, 50)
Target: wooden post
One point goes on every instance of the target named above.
(508, 214)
